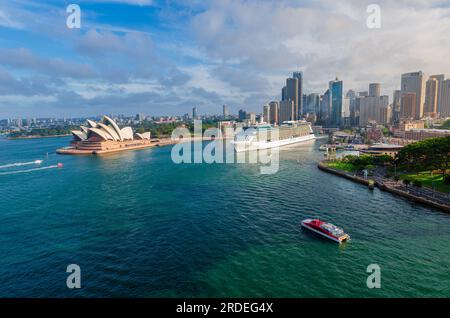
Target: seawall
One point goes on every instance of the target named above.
(387, 188)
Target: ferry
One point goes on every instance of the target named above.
(328, 230)
(267, 136)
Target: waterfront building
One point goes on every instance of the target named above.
(380, 149)
(274, 111)
(106, 136)
(300, 106)
(336, 99)
(286, 111)
(292, 94)
(445, 104)
(431, 97)
(440, 78)
(414, 83)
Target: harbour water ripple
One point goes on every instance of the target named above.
(140, 226)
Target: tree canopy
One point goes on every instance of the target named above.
(428, 154)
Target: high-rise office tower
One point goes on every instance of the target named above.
(283, 93)
(286, 111)
(409, 103)
(324, 113)
(311, 104)
(304, 102)
(414, 83)
(300, 106)
(396, 105)
(242, 114)
(226, 112)
(445, 105)
(252, 118)
(194, 113)
(351, 96)
(292, 94)
(374, 107)
(431, 97)
(375, 89)
(336, 97)
(274, 111)
(266, 113)
(440, 78)
(363, 94)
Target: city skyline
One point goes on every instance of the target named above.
(159, 63)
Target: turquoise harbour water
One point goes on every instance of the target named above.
(141, 226)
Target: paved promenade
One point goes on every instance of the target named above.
(422, 195)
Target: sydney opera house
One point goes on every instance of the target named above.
(105, 136)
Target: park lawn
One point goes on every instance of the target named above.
(427, 180)
(339, 165)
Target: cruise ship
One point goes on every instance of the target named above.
(266, 136)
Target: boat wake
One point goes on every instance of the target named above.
(28, 170)
(19, 164)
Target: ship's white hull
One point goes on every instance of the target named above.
(241, 146)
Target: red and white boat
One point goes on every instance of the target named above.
(326, 229)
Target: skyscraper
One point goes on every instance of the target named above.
(283, 93)
(286, 111)
(373, 107)
(242, 114)
(414, 83)
(266, 113)
(252, 118)
(274, 111)
(440, 78)
(336, 88)
(375, 89)
(396, 105)
(292, 94)
(226, 112)
(445, 105)
(300, 106)
(312, 104)
(431, 97)
(194, 113)
(408, 107)
(324, 113)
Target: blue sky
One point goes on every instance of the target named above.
(165, 57)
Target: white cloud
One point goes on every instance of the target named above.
(130, 2)
(325, 39)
